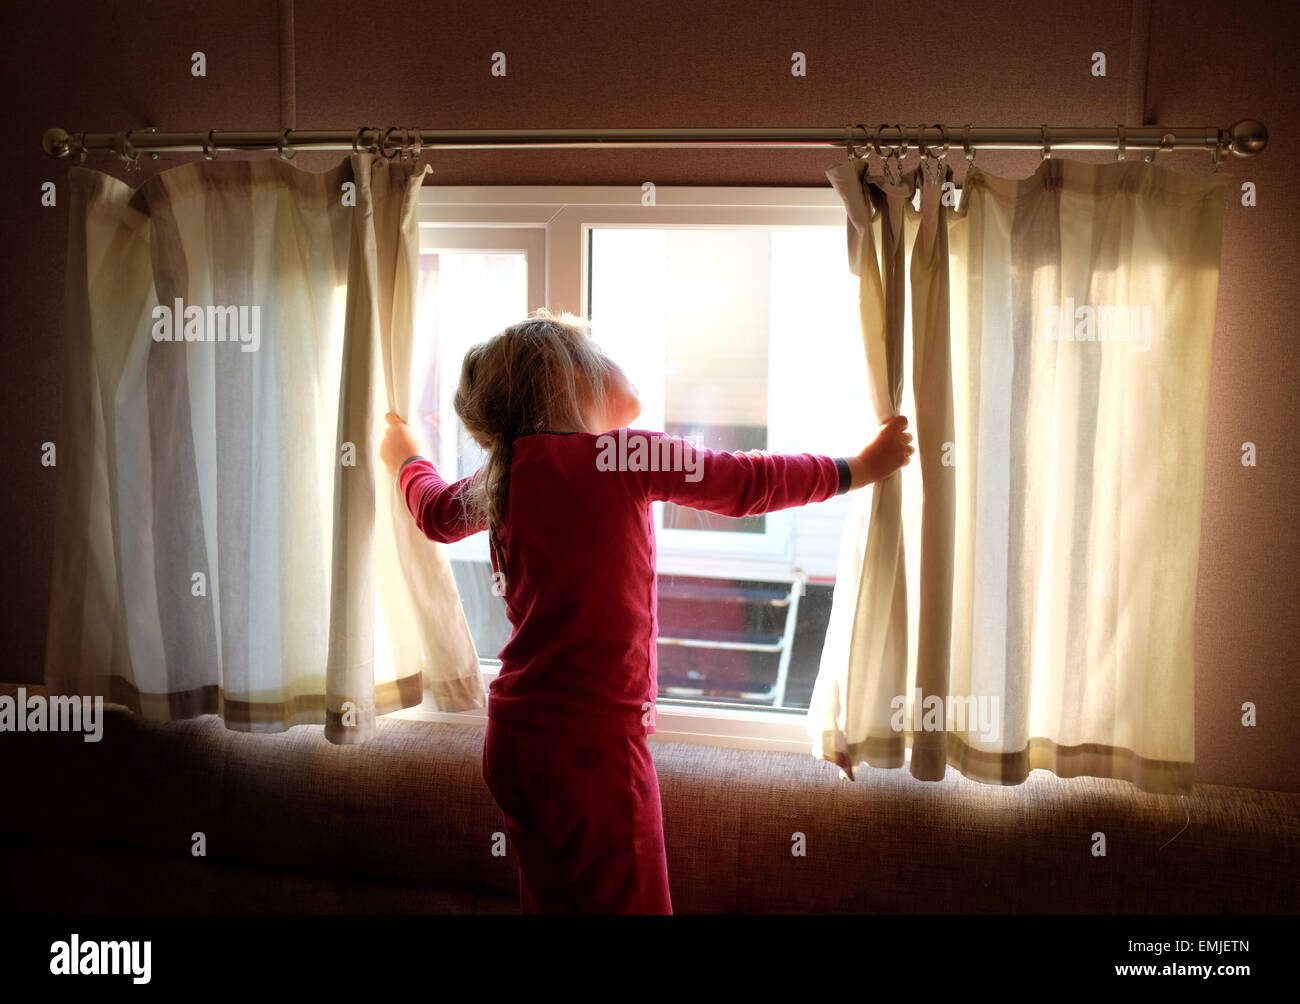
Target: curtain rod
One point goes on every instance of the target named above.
(1244, 138)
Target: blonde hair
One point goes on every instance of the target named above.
(524, 380)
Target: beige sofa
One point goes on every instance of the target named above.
(404, 823)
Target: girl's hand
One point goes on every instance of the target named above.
(399, 443)
(890, 450)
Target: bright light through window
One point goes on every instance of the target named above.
(737, 338)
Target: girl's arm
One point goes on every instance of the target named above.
(748, 484)
(435, 504)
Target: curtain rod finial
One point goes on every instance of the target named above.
(55, 142)
(1247, 137)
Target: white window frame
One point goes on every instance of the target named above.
(563, 215)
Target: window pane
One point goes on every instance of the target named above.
(466, 297)
(739, 339)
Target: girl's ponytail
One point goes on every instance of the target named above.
(501, 492)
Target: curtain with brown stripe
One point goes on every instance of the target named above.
(1058, 330)
(234, 332)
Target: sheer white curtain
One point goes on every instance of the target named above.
(217, 549)
(1060, 331)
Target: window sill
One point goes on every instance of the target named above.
(740, 728)
(732, 728)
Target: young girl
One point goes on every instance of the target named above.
(565, 497)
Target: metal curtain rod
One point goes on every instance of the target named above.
(1244, 139)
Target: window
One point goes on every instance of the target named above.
(735, 315)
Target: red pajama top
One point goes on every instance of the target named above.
(578, 545)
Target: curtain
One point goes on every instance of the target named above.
(1060, 334)
(865, 657)
(216, 543)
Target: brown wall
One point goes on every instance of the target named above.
(101, 67)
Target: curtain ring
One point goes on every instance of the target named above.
(848, 142)
(867, 137)
(382, 148)
(920, 140)
(965, 144)
(419, 143)
(124, 150)
(901, 150)
(933, 159)
(282, 144)
(209, 147)
(1047, 146)
(875, 140)
(928, 151)
(895, 157)
(79, 141)
(356, 140)
(1122, 153)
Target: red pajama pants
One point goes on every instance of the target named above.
(583, 814)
